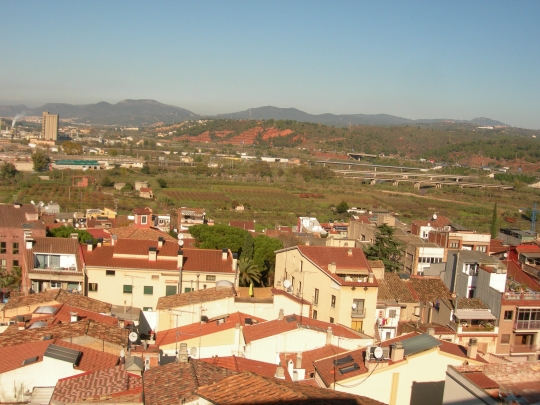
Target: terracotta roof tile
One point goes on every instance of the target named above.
(132, 232)
(481, 380)
(240, 364)
(247, 388)
(11, 217)
(114, 335)
(393, 288)
(429, 288)
(64, 316)
(169, 336)
(515, 272)
(276, 326)
(175, 382)
(205, 295)
(100, 386)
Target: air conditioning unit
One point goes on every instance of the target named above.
(447, 228)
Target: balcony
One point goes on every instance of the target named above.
(522, 296)
(526, 325)
(486, 328)
(358, 313)
(523, 349)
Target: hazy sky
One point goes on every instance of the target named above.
(425, 59)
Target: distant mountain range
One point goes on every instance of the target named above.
(148, 112)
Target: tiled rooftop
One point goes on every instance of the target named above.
(113, 385)
(73, 300)
(205, 295)
(515, 273)
(429, 288)
(310, 356)
(240, 364)
(64, 316)
(173, 383)
(464, 303)
(133, 233)
(275, 327)
(169, 336)
(392, 288)
(247, 388)
(11, 217)
(114, 335)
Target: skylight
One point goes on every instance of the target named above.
(343, 360)
(349, 369)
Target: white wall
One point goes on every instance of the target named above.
(45, 373)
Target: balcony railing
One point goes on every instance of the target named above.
(523, 348)
(358, 313)
(522, 296)
(476, 328)
(527, 325)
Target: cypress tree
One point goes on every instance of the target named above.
(494, 228)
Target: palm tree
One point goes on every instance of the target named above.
(248, 272)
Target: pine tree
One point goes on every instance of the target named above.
(494, 227)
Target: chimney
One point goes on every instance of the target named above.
(180, 259)
(299, 360)
(74, 235)
(431, 331)
(332, 267)
(74, 316)
(234, 261)
(329, 335)
(89, 245)
(472, 348)
(280, 373)
(349, 252)
(114, 238)
(21, 325)
(152, 254)
(183, 353)
(100, 242)
(397, 352)
(281, 314)
(307, 243)
(224, 253)
(160, 241)
(17, 204)
(371, 278)
(29, 243)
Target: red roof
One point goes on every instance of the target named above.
(64, 316)
(514, 271)
(169, 336)
(496, 246)
(99, 233)
(241, 364)
(311, 356)
(276, 326)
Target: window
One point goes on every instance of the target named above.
(316, 296)
(331, 320)
(15, 263)
(128, 289)
(508, 315)
(333, 302)
(210, 278)
(56, 284)
(505, 339)
(392, 313)
(3, 263)
(454, 245)
(292, 283)
(15, 248)
(93, 287)
(481, 248)
(148, 290)
(314, 314)
(187, 289)
(170, 290)
(358, 307)
(143, 219)
(110, 272)
(2, 247)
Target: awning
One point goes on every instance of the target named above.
(476, 314)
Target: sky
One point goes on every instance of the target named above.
(413, 59)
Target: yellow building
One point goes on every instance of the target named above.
(338, 281)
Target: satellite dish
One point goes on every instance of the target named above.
(287, 283)
(505, 255)
(193, 351)
(180, 242)
(133, 337)
(354, 306)
(180, 236)
(434, 217)
(378, 353)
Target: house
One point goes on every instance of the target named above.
(293, 333)
(419, 255)
(514, 236)
(28, 304)
(506, 383)
(395, 291)
(52, 263)
(17, 223)
(310, 226)
(190, 216)
(409, 369)
(102, 385)
(146, 192)
(338, 281)
(247, 225)
(264, 302)
(300, 364)
(428, 289)
(217, 336)
(42, 363)
(140, 184)
(137, 272)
